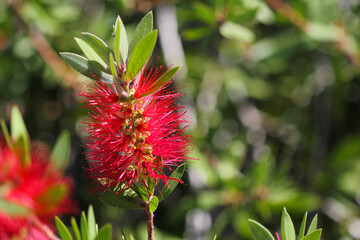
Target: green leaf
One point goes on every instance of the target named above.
(143, 28)
(99, 46)
(313, 224)
(153, 204)
(91, 223)
(302, 227)
(315, 235)
(287, 226)
(53, 196)
(83, 66)
(63, 231)
(141, 191)
(322, 32)
(204, 13)
(140, 54)
(84, 227)
(105, 233)
(6, 134)
(161, 81)
(234, 31)
(91, 55)
(75, 228)
(61, 151)
(121, 41)
(13, 209)
(20, 135)
(259, 232)
(196, 33)
(177, 174)
(113, 68)
(116, 200)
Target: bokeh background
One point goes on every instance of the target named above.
(272, 88)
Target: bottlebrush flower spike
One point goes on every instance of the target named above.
(136, 127)
(134, 141)
(135, 130)
(31, 193)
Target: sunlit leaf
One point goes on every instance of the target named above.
(315, 235)
(121, 41)
(99, 46)
(259, 232)
(91, 223)
(153, 204)
(83, 66)
(302, 227)
(84, 227)
(75, 228)
(13, 209)
(143, 28)
(92, 55)
(287, 226)
(104, 233)
(322, 32)
(236, 31)
(63, 231)
(140, 54)
(20, 135)
(61, 150)
(313, 224)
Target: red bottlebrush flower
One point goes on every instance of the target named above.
(38, 187)
(133, 140)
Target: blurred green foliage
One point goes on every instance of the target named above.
(272, 88)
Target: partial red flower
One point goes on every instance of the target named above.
(38, 187)
(135, 135)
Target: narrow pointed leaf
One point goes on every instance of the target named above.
(84, 227)
(287, 226)
(142, 191)
(75, 228)
(163, 79)
(63, 231)
(140, 54)
(121, 41)
(315, 235)
(112, 67)
(61, 151)
(99, 46)
(153, 204)
(20, 135)
(143, 28)
(116, 200)
(6, 133)
(91, 223)
(177, 174)
(53, 196)
(313, 224)
(302, 227)
(13, 209)
(105, 233)
(83, 66)
(91, 55)
(259, 232)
